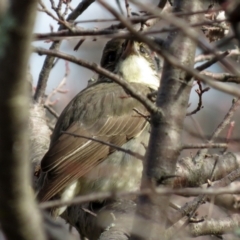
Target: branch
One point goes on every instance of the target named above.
(171, 59)
(164, 144)
(207, 145)
(185, 28)
(215, 226)
(19, 215)
(226, 201)
(208, 57)
(227, 118)
(48, 63)
(102, 71)
(200, 91)
(131, 153)
(114, 31)
(144, 192)
(212, 61)
(222, 77)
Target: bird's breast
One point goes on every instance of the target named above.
(119, 171)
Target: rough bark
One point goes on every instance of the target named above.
(19, 216)
(165, 140)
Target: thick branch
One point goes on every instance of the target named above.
(19, 216)
(164, 144)
(215, 226)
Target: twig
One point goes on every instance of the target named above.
(227, 118)
(52, 111)
(212, 61)
(207, 57)
(48, 63)
(184, 27)
(58, 89)
(81, 41)
(95, 67)
(159, 191)
(200, 93)
(222, 77)
(134, 154)
(169, 58)
(44, 9)
(207, 145)
(141, 114)
(128, 8)
(220, 127)
(229, 134)
(112, 32)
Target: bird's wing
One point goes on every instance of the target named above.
(69, 157)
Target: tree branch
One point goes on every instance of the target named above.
(95, 67)
(19, 216)
(48, 63)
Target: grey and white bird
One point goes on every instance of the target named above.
(104, 111)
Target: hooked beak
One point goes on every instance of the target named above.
(130, 49)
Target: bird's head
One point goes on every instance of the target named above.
(132, 60)
(137, 63)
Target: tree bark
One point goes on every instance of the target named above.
(19, 216)
(165, 140)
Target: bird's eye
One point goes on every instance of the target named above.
(111, 56)
(142, 49)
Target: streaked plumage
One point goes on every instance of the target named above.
(105, 111)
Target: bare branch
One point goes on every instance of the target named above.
(19, 215)
(135, 154)
(207, 57)
(222, 77)
(143, 192)
(227, 118)
(215, 226)
(48, 63)
(210, 145)
(200, 93)
(95, 67)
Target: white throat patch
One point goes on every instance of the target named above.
(137, 69)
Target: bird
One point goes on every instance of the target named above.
(103, 111)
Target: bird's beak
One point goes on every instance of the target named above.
(130, 49)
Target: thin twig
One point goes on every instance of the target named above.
(134, 154)
(227, 118)
(185, 28)
(97, 68)
(48, 63)
(212, 61)
(52, 111)
(58, 89)
(200, 93)
(44, 9)
(207, 57)
(113, 31)
(169, 58)
(128, 8)
(147, 191)
(222, 77)
(206, 145)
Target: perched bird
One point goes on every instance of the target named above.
(103, 111)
